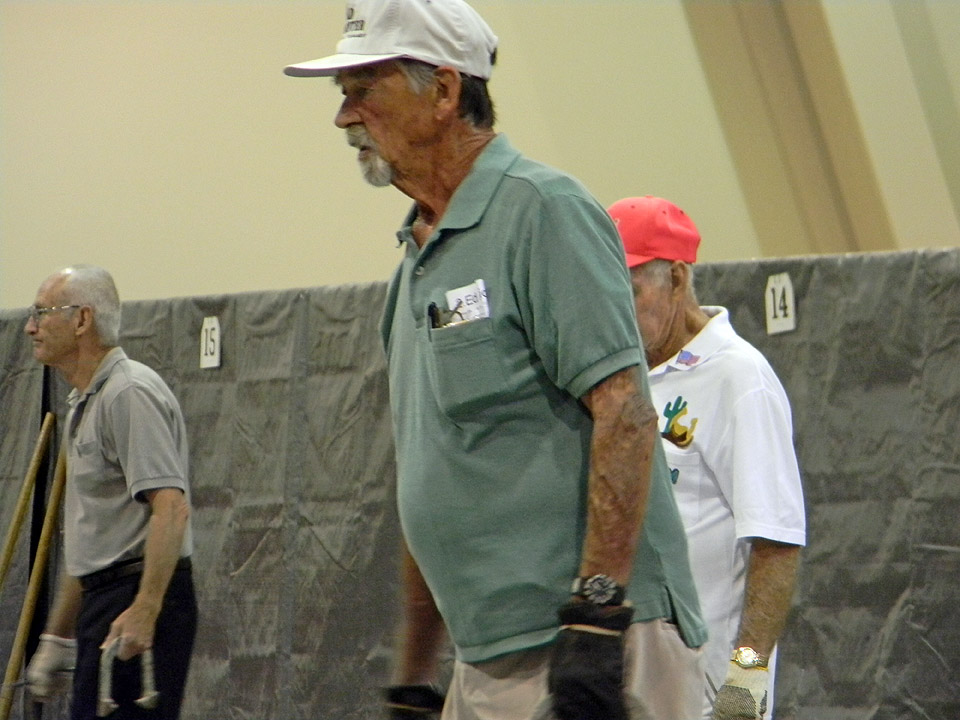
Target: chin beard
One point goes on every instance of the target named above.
(376, 170)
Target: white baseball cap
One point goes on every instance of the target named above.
(438, 32)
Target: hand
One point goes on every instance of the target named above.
(50, 672)
(413, 702)
(135, 627)
(743, 694)
(586, 663)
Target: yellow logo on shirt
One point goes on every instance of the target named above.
(676, 432)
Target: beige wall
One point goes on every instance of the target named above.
(161, 139)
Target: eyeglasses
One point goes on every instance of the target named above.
(37, 313)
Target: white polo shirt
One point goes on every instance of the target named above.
(728, 437)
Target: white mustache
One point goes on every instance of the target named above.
(358, 137)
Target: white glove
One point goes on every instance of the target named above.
(50, 672)
(743, 694)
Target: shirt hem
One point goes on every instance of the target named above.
(516, 643)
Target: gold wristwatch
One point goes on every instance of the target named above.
(747, 657)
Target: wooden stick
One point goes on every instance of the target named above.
(23, 501)
(33, 587)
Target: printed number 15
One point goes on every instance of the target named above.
(209, 341)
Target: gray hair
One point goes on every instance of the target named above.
(658, 271)
(476, 106)
(94, 286)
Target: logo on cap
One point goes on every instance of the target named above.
(353, 27)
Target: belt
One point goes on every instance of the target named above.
(120, 570)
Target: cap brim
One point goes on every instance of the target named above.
(332, 64)
(635, 260)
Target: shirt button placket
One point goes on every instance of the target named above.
(418, 304)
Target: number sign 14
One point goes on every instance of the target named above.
(781, 310)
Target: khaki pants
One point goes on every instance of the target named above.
(664, 680)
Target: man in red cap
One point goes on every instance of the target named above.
(727, 435)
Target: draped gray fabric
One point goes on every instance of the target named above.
(21, 383)
(293, 477)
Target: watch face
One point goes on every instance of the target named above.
(747, 657)
(599, 589)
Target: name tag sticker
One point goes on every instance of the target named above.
(468, 302)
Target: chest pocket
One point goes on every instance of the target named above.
(88, 464)
(686, 476)
(466, 371)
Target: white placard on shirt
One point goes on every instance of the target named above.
(468, 302)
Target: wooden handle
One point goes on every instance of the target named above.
(29, 480)
(33, 587)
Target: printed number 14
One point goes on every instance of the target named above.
(780, 305)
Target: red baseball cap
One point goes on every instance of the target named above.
(654, 229)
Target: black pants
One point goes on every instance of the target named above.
(172, 645)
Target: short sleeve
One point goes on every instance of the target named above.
(578, 305)
(144, 432)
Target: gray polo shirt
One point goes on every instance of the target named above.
(125, 435)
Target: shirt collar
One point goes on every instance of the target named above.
(474, 194)
(705, 343)
(100, 376)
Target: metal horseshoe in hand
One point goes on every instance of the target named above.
(105, 702)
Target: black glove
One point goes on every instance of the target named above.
(413, 702)
(586, 664)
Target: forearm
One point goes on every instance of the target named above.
(585, 677)
(621, 458)
(135, 626)
(771, 576)
(423, 630)
(167, 525)
(66, 605)
(50, 670)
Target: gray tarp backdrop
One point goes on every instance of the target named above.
(293, 476)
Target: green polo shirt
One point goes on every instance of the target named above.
(492, 440)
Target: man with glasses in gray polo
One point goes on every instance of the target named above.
(127, 589)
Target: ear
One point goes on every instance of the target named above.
(84, 321)
(447, 91)
(679, 275)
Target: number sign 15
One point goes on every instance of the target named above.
(210, 343)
